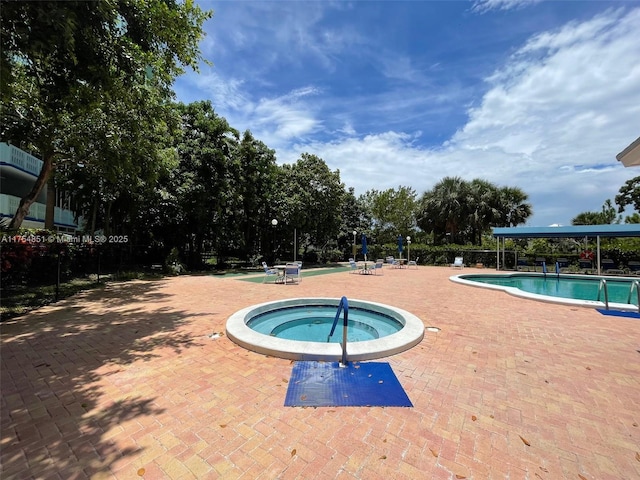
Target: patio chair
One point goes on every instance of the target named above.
(413, 263)
(292, 273)
(458, 262)
(354, 267)
(269, 272)
(377, 266)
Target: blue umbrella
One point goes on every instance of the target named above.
(364, 246)
(400, 245)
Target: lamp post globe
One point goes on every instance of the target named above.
(354, 244)
(274, 222)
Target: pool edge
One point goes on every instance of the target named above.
(409, 336)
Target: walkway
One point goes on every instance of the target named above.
(126, 382)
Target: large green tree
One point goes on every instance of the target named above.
(393, 212)
(356, 217)
(442, 209)
(204, 182)
(514, 208)
(629, 194)
(61, 59)
(309, 200)
(482, 207)
(463, 211)
(255, 188)
(606, 216)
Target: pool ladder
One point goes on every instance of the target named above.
(603, 288)
(343, 306)
(635, 285)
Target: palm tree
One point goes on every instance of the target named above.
(515, 210)
(483, 208)
(443, 207)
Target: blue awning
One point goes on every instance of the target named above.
(573, 231)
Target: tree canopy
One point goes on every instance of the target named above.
(63, 60)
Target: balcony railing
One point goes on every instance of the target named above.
(19, 159)
(37, 211)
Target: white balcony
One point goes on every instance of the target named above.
(23, 161)
(37, 211)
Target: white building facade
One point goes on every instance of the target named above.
(18, 172)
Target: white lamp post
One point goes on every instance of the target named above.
(274, 222)
(408, 248)
(354, 244)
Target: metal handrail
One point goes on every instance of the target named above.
(342, 306)
(603, 286)
(635, 284)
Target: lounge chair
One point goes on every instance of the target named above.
(586, 266)
(634, 267)
(458, 262)
(609, 267)
(522, 264)
(562, 265)
(413, 263)
(269, 272)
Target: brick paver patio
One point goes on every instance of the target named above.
(125, 382)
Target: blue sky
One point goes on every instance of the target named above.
(539, 95)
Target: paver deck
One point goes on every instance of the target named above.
(125, 382)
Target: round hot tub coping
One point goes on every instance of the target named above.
(409, 336)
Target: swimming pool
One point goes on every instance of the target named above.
(373, 341)
(580, 290)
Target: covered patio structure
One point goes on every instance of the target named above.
(630, 156)
(573, 231)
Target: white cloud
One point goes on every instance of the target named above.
(482, 6)
(550, 120)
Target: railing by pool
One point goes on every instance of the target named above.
(343, 306)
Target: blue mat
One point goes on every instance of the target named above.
(327, 384)
(618, 313)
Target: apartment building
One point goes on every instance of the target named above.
(18, 172)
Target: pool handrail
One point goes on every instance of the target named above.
(342, 306)
(603, 286)
(635, 284)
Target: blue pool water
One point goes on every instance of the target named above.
(312, 323)
(562, 286)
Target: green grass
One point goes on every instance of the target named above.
(311, 272)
